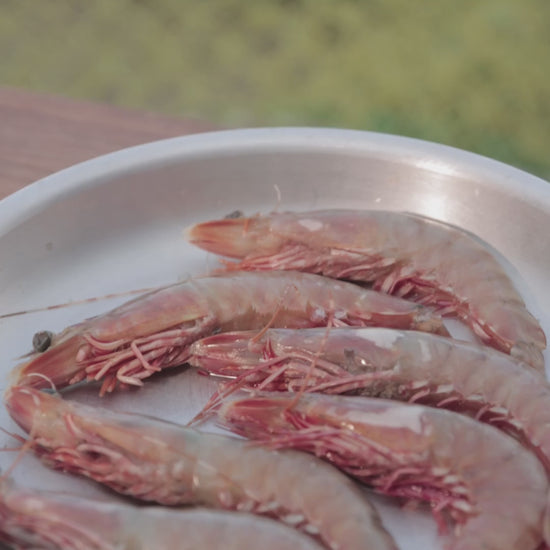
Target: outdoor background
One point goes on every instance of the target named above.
(469, 73)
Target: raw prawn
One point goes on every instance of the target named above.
(378, 362)
(402, 254)
(162, 462)
(493, 488)
(153, 332)
(54, 521)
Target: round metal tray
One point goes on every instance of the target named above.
(115, 224)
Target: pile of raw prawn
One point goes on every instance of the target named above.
(325, 330)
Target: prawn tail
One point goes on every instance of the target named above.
(446, 304)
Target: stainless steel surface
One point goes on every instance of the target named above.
(115, 223)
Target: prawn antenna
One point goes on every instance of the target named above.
(278, 309)
(19, 438)
(77, 302)
(22, 450)
(279, 197)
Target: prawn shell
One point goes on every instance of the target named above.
(376, 362)
(161, 462)
(153, 332)
(500, 488)
(399, 253)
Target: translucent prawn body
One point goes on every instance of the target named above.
(126, 345)
(493, 489)
(401, 254)
(172, 465)
(53, 521)
(376, 362)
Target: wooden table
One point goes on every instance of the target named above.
(41, 134)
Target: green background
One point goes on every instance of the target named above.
(473, 74)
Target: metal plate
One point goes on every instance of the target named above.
(115, 223)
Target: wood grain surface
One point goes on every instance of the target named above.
(41, 134)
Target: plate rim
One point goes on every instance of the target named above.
(16, 208)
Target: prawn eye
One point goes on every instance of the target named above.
(236, 214)
(350, 360)
(42, 340)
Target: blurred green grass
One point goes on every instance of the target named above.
(470, 74)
